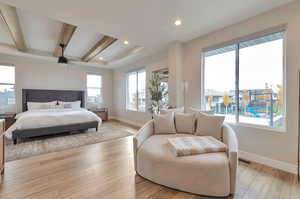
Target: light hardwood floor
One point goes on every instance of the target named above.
(105, 171)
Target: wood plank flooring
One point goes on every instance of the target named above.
(105, 171)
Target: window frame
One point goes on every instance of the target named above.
(137, 90)
(100, 88)
(10, 84)
(237, 66)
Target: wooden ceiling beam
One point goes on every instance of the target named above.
(101, 45)
(10, 17)
(66, 34)
(125, 54)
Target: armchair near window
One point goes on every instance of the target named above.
(212, 174)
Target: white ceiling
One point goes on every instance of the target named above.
(148, 23)
(40, 32)
(82, 41)
(113, 50)
(4, 34)
(41, 35)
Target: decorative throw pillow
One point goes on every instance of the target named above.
(72, 105)
(175, 110)
(164, 124)
(209, 125)
(185, 122)
(196, 111)
(67, 105)
(40, 105)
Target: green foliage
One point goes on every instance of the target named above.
(158, 94)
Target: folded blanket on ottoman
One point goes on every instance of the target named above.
(183, 146)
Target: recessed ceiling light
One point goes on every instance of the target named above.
(126, 42)
(101, 58)
(178, 22)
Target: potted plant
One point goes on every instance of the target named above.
(158, 94)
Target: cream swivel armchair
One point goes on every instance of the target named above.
(210, 174)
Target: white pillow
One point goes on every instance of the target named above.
(196, 111)
(40, 105)
(58, 106)
(72, 105)
(185, 122)
(209, 125)
(164, 124)
(175, 110)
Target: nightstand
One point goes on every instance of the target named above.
(101, 112)
(9, 119)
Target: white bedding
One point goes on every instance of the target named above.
(51, 117)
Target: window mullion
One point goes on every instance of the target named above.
(137, 91)
(237, 75)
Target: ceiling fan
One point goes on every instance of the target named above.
(62, 59)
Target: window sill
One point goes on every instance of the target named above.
(260, 127)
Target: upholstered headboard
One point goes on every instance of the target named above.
(37, 95)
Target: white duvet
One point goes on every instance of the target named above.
(51, 117)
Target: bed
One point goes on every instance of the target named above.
(35, 123)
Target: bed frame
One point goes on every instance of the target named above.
(36, 95)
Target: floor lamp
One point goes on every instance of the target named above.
(185, 87)
(298, 154)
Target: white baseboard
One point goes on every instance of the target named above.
(127, 121)
(288, 167)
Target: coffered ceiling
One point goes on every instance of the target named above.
(148, 25)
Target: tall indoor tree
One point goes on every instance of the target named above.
(158, 93)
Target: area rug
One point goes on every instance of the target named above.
(37, 146)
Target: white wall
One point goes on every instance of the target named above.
(267, 146)
(119, 90)
(175, 65)
(267, 143)
(40, 74)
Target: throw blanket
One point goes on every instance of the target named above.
(183, 146)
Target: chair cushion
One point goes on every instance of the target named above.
(164, 124)
(185, 123)
(209, 125)
(206, 174)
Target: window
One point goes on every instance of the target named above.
(165, 99)
(136, 91)
(244, 81)
(7, 87)
(94, 89)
